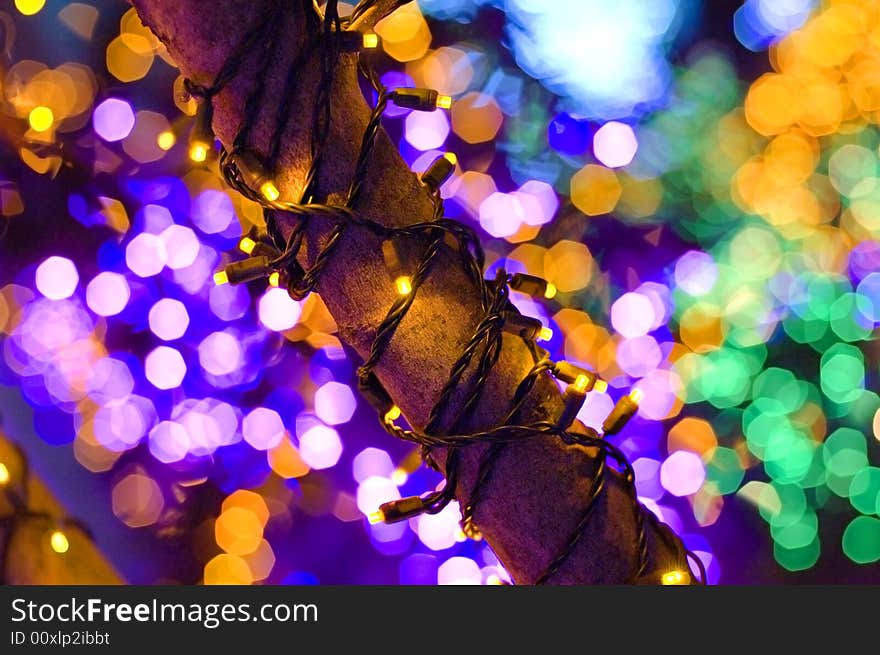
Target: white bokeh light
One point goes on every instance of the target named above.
(168, 319)
(56, 278)
(108, 293)
(164, 367)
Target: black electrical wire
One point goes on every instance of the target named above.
(481, 351)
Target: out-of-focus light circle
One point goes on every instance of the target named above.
(696, 272)
(113, 119)
(277, 310)
(220, 353)
(439, 531)
(632, 315)
(568, 135)
(56, 278)
(108, 293)
(29, 7)
(595, 190)
(238, 530)
(212, 211)
(620, 46)
(181, 246)
(320, 447)
(226, 569)
(373, 491)
(164, 367)
(546, 199)
(427, 130)
(41, 118)
(335, 403)
(146, 255)
(459, 571)
(168, 319)
(263, 428)
(615, 144)
(682, 473)
(137, 500)
(168, 442)
(371, 462)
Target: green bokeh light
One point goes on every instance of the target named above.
(861, 540)
(842, 373)
(724, 470)
(797, 559)
(864, 490)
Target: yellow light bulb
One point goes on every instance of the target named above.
(376, 517)
(444, 102)
(451, 158)
(403, 285)
(399, 476)
(581, 382)
(550, 291)
(269, 191)
(371, 40)
(601, 386)
(220, 277)
(545, 334)
(275, 279)
(59, 542)
(247, 245)
(198, 152)
(41, 118)
(4, 474)
(392, 414)
(166, 140)
(636, 395)
(29, 7)
(674, 578)
(494, 579)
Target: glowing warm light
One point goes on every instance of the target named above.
(550, 291)
(545, 334)
(59, 542)
(41, 118)
(247, 245)
(403, 284)
(392, 414)
(198, 152)
(399, 476)
(275, 279)
(371, 40)
(601, 386)
(451, 157)
(674, 578)
(166, 140)
(636, 395)
(376, 517)
(444, 102)
(4, 474)
(581, 382)
(220, 277)
(29, 7)
(269, 191)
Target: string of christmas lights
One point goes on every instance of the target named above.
(275, 258)
(16, 496)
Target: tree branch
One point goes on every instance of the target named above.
(538, 490)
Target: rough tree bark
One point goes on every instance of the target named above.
(537, 492)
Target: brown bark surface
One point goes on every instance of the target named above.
(538, 490)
